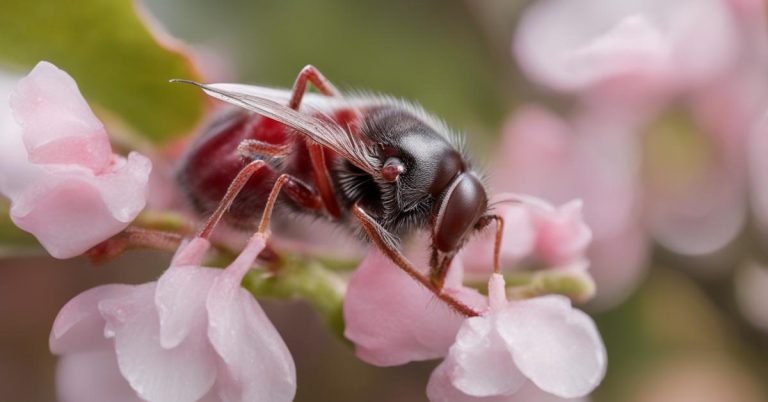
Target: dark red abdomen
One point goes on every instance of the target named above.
(212, 161)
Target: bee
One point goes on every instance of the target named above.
(378, 165)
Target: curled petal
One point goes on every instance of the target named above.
(562, 236)
(16, 170)
(79, 325)
(65, 185)
(180, 301)
(59, 127)
(392, 319)
(181, 293)
(56, 205)
(184, 373)
(555, 346)
(441, 389)
(92, 377)
(244, 338)
(479, 362)
(124, 187)
(67, 217)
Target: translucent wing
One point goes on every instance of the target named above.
(270, 102)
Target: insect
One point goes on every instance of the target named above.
(378, 165)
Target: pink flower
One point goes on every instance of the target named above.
(532, 228)
(541, 340)
(193, 335)
(634, 46)
(58, 169)
(393, 320)
(562, 236)
(541, 345)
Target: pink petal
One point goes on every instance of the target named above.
(618, 264)
(79, 325)
(441, 389)
(256, 358)
(517, 239)
(497, 292)
(562, 236)
(58, 126)
(69, 210)
(536, 155)
(67, 216)
(555, 346)
(191, 252)
(531, 393)
(634, 45)
(124, 187)
(479, 362)
(15, 169)
(180, 301)
(184, 373)
(92, 377)
(181, 292)
(392, 319)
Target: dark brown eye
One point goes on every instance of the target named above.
(392, 169)
(462, 206)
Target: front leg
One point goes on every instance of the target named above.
(486, 220)
(386, 243)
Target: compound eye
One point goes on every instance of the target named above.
(392, 169)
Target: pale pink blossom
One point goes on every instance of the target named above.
(533, 228)
(56, 166)
(562, 236)
(543, 341)
(651, 52)
(632, 47)
(593, 157)
(392, 319)
(193, 335)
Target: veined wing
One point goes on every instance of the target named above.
(270, 102)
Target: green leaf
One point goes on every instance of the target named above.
(112, 55)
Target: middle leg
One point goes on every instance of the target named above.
(316, 152)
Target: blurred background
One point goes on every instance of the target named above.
(650, 111)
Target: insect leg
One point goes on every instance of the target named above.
(485, 221)
(232, 191)
(384, 241)
(133, 237)
(294, 188)
(316, 152)
(250, 148)
(312, 74)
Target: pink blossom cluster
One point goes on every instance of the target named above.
(664, 140)
(59, 169)
(196, 335)
(539, 348)
(193, 335)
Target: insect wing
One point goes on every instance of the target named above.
(324, 131)
(310, 101)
